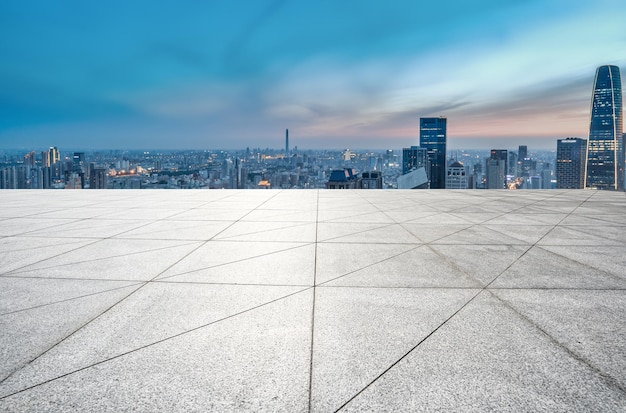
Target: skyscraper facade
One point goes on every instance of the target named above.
(605, 147)
(456, 176)
(54, 155)
(413, 158)
(501, 155)
(433, 139)
(570, 163)
(495, 174)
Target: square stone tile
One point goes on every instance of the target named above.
(177, 230)
(541, 268)
(18, 252)
(590, 324)
(113, 259)
(290, 266)
(269, 231)
(360, 332)
(418, 267)
(334, 260)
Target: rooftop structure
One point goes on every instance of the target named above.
(312, 301)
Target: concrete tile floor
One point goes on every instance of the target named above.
(312, 301)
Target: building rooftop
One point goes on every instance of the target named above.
(313, 300)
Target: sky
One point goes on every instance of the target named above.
(149, 74)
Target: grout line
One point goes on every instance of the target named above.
(236, 261)
(578, 357)
(313, 306)
(69, 299)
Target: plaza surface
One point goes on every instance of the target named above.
(312, 300)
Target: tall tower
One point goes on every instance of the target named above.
(570, 163)
(286, 142)
(605, 147)
(433, 139)
(54, 155)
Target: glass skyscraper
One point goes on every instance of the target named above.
(605, 147)
(433, 139)
(570, 163)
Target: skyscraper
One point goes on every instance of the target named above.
(413, 158)
(570, 163)
(54, 155)
(605, 150)
(495, 173)
(286, 142)
(501, 155)
(78, 162)
(456, 176)
(497, 167)
(522, 152)
(433, 139)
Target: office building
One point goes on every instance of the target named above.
(78, 162)
(414, 158)
(497, 166)
(456, 176)
(45, 159)
(570, 163)
(605, 151)
(433, 139)
(98, 178)
(512, 165)
(522, 152)
(372, 180)
(345, 178)
(30, 160)
(54, 155)
(495, 174)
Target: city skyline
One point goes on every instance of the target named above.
(350, 75)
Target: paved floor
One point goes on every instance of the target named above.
(312, 300)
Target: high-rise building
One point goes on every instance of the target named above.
(413, 158)
(570, 163)
(286, 142)
(98, 178)
(54, 155)
(512, 168)
(495, 174)
(78, 162)
(29, 159)
(56, 167)
(501, 155)
(45, 159)
(457, 176)
(433, 139)
(605, 151)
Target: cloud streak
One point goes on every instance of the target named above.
(340, 72)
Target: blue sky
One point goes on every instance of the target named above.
(338, 74)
